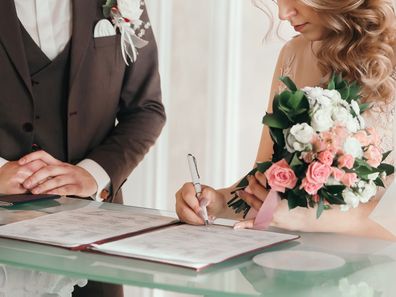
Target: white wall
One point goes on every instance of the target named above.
(216, 71)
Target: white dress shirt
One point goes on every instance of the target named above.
(49, 23)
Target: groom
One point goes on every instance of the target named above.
(62, 91)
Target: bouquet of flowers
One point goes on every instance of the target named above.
(324, 154)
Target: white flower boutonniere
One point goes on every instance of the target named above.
(125, 16)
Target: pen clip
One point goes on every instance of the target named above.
(195, 164)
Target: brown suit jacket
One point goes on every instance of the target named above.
(102, 89)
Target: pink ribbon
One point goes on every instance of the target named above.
(266, 213)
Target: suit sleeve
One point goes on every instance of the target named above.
(141, 116)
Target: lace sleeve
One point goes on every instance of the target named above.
(393, 75)
(384, 213)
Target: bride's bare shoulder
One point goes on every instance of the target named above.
(296, 47)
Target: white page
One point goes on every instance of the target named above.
(81, 226)
(193, 246)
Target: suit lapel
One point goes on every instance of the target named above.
(11, 38)
(84, 12)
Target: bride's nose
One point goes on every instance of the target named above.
(286, 10)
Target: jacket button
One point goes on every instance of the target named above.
(27, 127)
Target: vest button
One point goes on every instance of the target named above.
(27, 127)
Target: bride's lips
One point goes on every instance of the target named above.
(300, 27)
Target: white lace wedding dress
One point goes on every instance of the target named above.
(382, 117)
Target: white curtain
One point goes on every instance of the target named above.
(216, 71)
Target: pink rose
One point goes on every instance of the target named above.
(346, 161)
(308, 157)
(310, 188)
(349, 179)
(373, 156)
(373, 136)
(338, 174)
(340, 134)
(318, 143)
(280, 176)
(362, 137)
(326, 157)
(318, 173)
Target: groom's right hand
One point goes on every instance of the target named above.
(13, 175)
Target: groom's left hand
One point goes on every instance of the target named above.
(58, 177)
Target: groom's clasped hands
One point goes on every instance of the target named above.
(40, 173)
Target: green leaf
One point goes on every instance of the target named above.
(344, 92)
(338, 79)
(335, 198)
(284, 98)
(354, 91)
(262, 167)
(107, 7)
(385, 155)
(296, 99)
(335, 189)
(320, 208)
(295, 162)
(278, 137)
(389, 169)
(276, 121)
(296, 198)
(331, 85)
(379, 183)
(364, 172)
(364, 106)
(289, 83)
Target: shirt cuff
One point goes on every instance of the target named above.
(2, 161)
(99, 174)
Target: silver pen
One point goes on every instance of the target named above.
(192, 164)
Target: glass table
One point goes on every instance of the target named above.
(366, 265)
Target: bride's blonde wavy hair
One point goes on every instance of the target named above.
(360, 44)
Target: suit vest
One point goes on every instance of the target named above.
(50, 86)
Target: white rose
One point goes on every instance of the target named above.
(341, 115)
(350, 198)
(362, 123)
(369, 190)
(131, 10)
(324, 102)
(289, 140)
(355, 107)
(298, 137)
(334, 95)
(352, 124)
(353, 147)
(312, 95)
(302, 132)
(321, 120)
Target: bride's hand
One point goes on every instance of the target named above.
(187, 205)
(255, 193)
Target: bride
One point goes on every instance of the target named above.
(358, 39)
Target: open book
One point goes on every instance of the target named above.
(141, 236)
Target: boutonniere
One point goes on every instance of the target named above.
(125, 17)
